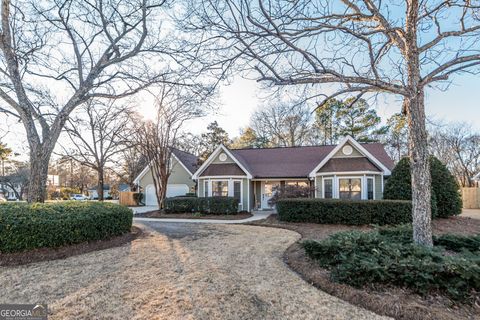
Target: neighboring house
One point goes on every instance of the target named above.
(349, 170)
(93, 192)
(180, 182)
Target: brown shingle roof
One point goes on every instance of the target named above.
(189, 160)
(348, 164)
(295, 162)
(223, 169)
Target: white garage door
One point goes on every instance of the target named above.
(150, 195)
(173, 190)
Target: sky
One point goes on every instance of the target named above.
(459, 103)
(236, 102)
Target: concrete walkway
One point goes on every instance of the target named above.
(143, 209)
(257, 215)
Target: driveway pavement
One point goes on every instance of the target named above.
(471, 213)
(257, 215)
(179, 271)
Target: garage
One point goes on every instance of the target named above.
(173, 190)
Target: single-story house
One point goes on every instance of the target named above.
(180, 181)
(349, 170)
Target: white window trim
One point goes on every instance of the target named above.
(366, 187)
(323, 187)
(230, 188)
(362, 184)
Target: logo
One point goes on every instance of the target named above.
(23, 312)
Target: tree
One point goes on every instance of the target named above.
(365, 47)
(56, 55)
(354, 117)
(211, 139)
(326, 122)
(130, 164)
(282, 124)
(396, 137)
(4, 154)
(16, 179)
(445, 194)
(249, 139)
(98, 134)
(458, 147)
(175, 106)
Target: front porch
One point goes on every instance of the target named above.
(264, 189)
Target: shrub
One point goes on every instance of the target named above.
(335, 211)
(360, 259)
(27, 226)
(207, 205)
(138, 197)
(290, 192)
(446, 199)
(453, 242)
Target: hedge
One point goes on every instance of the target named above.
(205, 205)
(368, 258)
(350, 212)
(28, 226)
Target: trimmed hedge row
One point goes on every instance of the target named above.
(350, 212)
(390, 257)
(206, 205)
(28, 226)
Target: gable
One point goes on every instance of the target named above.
(355, 152)
(223, 169)
(339, 152)
(224, 162)
(349, 164)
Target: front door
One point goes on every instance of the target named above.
(268, 189)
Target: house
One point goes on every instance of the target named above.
(93, 192)
(180, 182)
(349, 170)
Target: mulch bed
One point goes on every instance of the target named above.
(389, 301)
(43, 254)
(162, 215)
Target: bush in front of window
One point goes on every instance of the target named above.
(204, 205)
(349, 212)
(290, 192)
(446, 198)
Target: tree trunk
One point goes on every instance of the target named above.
(37, 182)
(421, 180)
(101, 183)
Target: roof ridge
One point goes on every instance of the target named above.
(293, 147)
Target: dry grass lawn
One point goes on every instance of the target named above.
(223, 272)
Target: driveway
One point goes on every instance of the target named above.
(179, 271)
(471, 213)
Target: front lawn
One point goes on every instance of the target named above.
(386, 296)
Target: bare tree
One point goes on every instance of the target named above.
(361, 46)
(156, 138)
(283, 124)
(129, 165)
(57, 54)
(458, 147)
(98, 133)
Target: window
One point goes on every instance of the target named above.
(328, 188)
(350, 188)
(237, 190)
(370, 188)
(205, 189)
(297, 183)
(219, 188)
